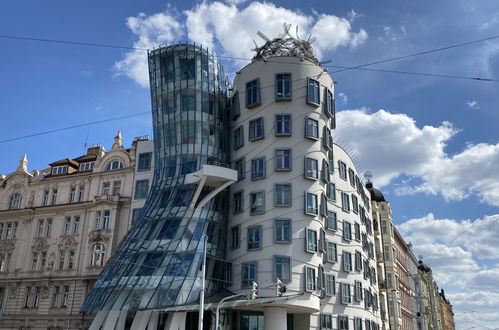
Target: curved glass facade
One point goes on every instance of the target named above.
(158, 262)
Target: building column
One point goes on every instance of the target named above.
(275, 318)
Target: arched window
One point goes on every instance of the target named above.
(15, 202)
(98, 252)
(115, 165)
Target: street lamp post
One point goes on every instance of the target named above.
(219, 305)
(201, 293)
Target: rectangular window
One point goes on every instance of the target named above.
(310, 279)
(257, 202)
(326, 321)
(313, 92)
(106, 219)
(283, 86)
(282, 230)
(53, 201)
(342, 168)
(346, 297)
(282, 160)
(283, 194)
(72, 194)
(282, 268)
(351, 176)
(331, 221)
(357, 324)
(34, 261)
(116, 187)
(327, 138)
(332, 252)
(330, 285)
(258, 168)
(144, 163)
(45, 199)
(311, 128)
(248, 273)
(66, 226)
(81, 192)
(254, 237)
(328, 104)
(324, 207)
(357, 232)
(87, 166)
(62, 259)
(331, 191)
(253, 93)
(283, 125)
(311, 240)
(97, 219)
(76, 224)
(343, 322)
(325, 172)
(235, 107)
(358, 290)
(60, 169)
(239, 166)
(347, 261)
(358, 260)
(355, 204)
(345, 202)
(311, 206)
(235, 237)
(256, 129)
(135, 216)
(106, 188)
(71, 258)
(39, 229)
(238, 137)
(347, 231)
(141, 189)
(238, 200)
(311, 168)
(48, 228)
(386, 252)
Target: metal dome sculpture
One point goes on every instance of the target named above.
(285, 45)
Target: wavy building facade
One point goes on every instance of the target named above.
(158, 263)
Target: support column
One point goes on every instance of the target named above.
(275, 318)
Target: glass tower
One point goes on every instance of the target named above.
(158, 262)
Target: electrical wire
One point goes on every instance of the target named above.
(75, 126)
(343, 68)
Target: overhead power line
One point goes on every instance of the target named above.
(343, 68)
(71, 42)
(420, 53)
(75, 126)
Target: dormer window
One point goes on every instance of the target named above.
(87, 166)
(15, 202)
(116, 165)
(60, 169)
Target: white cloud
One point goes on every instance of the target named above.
(391, 145)
(234, 34)
(472, 104)
(230, 31)
(343, 97)
(160, 28)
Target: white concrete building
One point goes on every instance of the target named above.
(299, 211)
(144, 171)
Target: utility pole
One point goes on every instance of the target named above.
(201, 294)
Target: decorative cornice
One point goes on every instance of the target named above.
(69, 242)
(7, 245)
(40, 244)
(99, 235)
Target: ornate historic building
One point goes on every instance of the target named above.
(58, 228)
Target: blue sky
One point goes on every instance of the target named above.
(432, 143)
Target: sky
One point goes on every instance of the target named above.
(431, 142)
